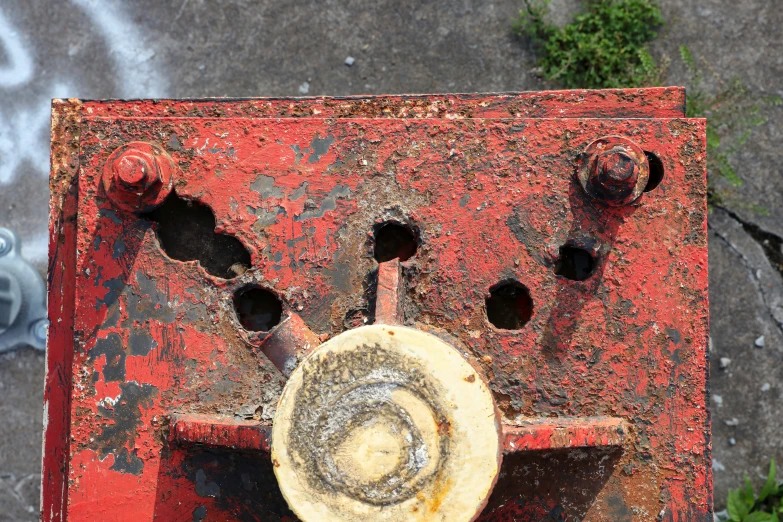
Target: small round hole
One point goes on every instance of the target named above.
(656, 171)
(509, 305)
(393, 241)
(574, 263)
(258, 309)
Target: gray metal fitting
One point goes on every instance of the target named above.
(22, 298)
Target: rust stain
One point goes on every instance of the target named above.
(444, 428)
(488, 181)
(440, 490)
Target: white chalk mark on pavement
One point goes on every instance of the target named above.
(25, 106)
(19, 69)
(132, 57)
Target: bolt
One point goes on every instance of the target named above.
(138, 176)
(615, 173)
(136, 170)
(614, 170)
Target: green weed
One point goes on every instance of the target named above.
(604, 47)
(745, 506)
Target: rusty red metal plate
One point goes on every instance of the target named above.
(159, 399)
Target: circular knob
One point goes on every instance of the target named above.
(386, 423)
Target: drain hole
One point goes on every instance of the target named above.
(656, 171)
(574, 263)
(392, 241)
(258, 309)
(186, 232)
(509, 305)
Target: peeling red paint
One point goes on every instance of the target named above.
(388, 305)
(610, 370)
(658, 102)
(549, 434)
(212, 430)
(216, 431)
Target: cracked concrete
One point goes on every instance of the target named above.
(761, 265)
(187, 48)
(746, 294)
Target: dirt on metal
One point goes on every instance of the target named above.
(140, 341)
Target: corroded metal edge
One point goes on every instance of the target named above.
(655, 102)
(61, 275)
(390, 293)
(566, 433)
(707, 402)
(220, 432)
(538, 434)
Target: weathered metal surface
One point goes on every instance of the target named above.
(551, 434)
(532, 435)
(613, 170)
(389, 293)
(387, 423)
(138, 176)
(289, 343)
(660, 102)
(138, 337)
(61, 283)
(219, 432)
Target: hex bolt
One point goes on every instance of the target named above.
(613, 170)
(135, 171)
(616, 171)
(138, 176)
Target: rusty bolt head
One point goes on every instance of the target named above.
(135, 171)
(613, 170)
(138, 176)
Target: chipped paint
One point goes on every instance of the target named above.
(489, 183)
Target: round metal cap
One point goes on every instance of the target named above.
(386, 423)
